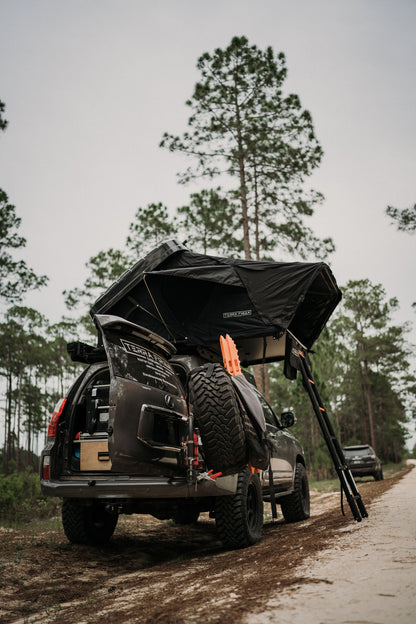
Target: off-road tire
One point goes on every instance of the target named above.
(239, 518)
(87, 524)
(217, 416)
(186, 515)
(296, 506)
(378, 475)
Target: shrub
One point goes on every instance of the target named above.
(21, 499)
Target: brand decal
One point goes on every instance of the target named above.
(133, 348)
(237, 313)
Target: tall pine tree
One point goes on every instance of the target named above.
(261, 143)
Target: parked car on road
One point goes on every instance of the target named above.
(363, 461)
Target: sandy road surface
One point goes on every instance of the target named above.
(155, 572)
(370, 578)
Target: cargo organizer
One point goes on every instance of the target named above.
(91, 445)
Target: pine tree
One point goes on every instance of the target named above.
(261, 143)
(3, 122)
(377, 350)
(151, 226)
(405, 220)
(16, 278)
(207, 223)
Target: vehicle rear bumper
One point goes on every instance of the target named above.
(363, 470)
(137, 488)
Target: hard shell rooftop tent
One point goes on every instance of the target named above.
(191, 299)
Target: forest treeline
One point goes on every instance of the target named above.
(251, 149)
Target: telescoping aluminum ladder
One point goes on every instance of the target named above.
(299, 360)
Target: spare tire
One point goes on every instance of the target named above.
(217, 415)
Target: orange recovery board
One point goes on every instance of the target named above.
(230, 356)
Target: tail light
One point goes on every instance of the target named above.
(45, 467)
(53, 425)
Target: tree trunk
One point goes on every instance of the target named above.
(243, 198)
(354, 424)
(19, 413)
(8, 441)
(242, 174)
(368, 393)
(363, 408)
(256, 214)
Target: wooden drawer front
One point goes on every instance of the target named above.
(94, 455)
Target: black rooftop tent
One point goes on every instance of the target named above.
(191, 299)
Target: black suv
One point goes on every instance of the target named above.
(143, 430)
(363, 461)
(149, 427)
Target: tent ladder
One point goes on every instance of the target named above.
(344, 473)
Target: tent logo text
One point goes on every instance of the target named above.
(237, 313)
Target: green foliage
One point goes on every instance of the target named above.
(103, 269)
(3, 122)
(21, 499)
(259, 141)
(361, 367)
(404, 220)
(35, 364)
(285, 394)
(16, 277)
(208, 223)
(152, 225)
(377, 368)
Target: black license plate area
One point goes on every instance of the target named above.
(162, 429)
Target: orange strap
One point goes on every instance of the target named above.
(230, 355)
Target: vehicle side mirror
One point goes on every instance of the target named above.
(288, 419)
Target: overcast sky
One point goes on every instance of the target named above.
(91, 85)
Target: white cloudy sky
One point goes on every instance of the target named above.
(91, 85)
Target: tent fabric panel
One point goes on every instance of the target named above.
(211, 273)
(192, 298)
(130, 278)
(204, 309)
(277, 290)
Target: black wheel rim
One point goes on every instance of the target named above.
(252, 507)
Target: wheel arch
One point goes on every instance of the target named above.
(300, 459)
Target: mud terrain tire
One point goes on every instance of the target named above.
(217, 415)
(378, 475)
(239, 518)
(296, 506)
(84, 524)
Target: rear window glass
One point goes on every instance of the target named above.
(130, 358)
(358, 451)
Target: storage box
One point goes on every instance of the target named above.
(94, 452)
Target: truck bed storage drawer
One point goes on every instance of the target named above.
(94, 452)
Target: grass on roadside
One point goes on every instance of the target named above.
(333, 485)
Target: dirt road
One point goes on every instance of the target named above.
(368, 577)
(153, 571)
